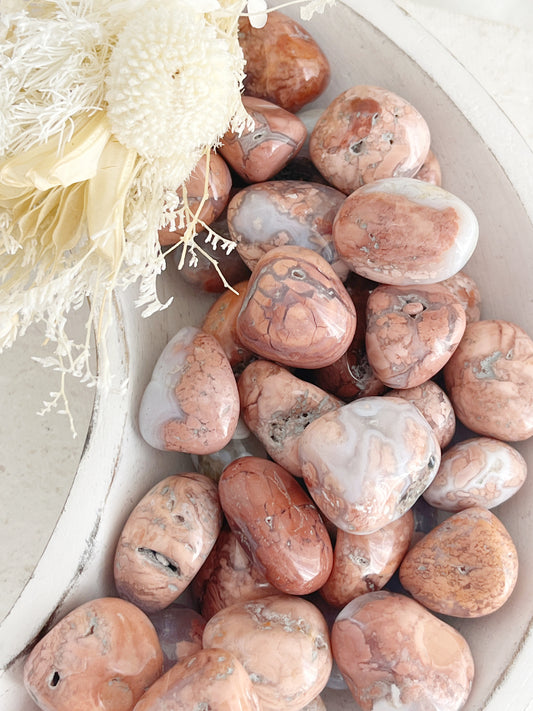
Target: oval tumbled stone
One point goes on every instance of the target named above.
(296, 310)
(191, 404)
(366, 463)
(405, 231)
(466, 567)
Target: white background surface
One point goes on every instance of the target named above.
(38, 458)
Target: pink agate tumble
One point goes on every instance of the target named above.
(296, 311)
(218, 191)
(260, 152)
(102, 655)
(166, 539)
(395, 654)
(179, 630)
(489, 380)
(191, 403)
(277, 406)
(364, 563)
(228, 576)
(368, 133)
(466, 291)
(366, 463)
(211, 679)
(436, 407)
(411, 332)
(276, 213)
(284, 64)
(481, 471)
(466, 567)
(283, 643)
(430, 171)
(403, 231)
(277, 524)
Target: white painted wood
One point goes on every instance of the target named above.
(487, 164)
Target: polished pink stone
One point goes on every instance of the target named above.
(466, 291)
(283, 643)
(277, 524)
(394, 654)
(411, 332)
(430, 171)
(296, 311)
(209, 680)
(368, 133)
(102, 655)
(466, 567)
(277, 406)
(489, 380)
(260, 152)
(277, 213)
(284, 64)
(166, 539)
(191, 403)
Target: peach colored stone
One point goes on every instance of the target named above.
(260, 152)
(394, 654)
(211, 679)
(368, 133)
(466, 291)
(296, 310)
(366, 463)
(467, 566)
(191, 403)
(276, 213)
(411, 332)
(430, 171)
(102, 655)
(218, 191)
(228, 576)
(166, 539)
(436, 407)
(489, 380)
(481, 471)
(277, 524)
(180, 630)
(221, 322)
(283, 643)
(403, 231)
(284, 64)
(277, 407)
(364, 563)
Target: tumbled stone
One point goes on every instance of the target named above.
(436, 407)
(296, 310)
(466, 291)
(260, 152)
(277, 524)
(218, 191)
(179, 630)
(368, 133)
(228, 576)
(403, 231)
(102, 655)
(283, 643)
(430, 171)
(481, 471)
(211, 679)
(166, 539)
(466, 567)
(277, 213)
(277, 406)
(284, 64)
(366, 463)
(411, 332)
(394, 654)
(364, 563)
(191, 403)
(489, 380)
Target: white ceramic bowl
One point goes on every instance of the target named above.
(486, 163)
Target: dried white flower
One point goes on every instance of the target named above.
(257, 13)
